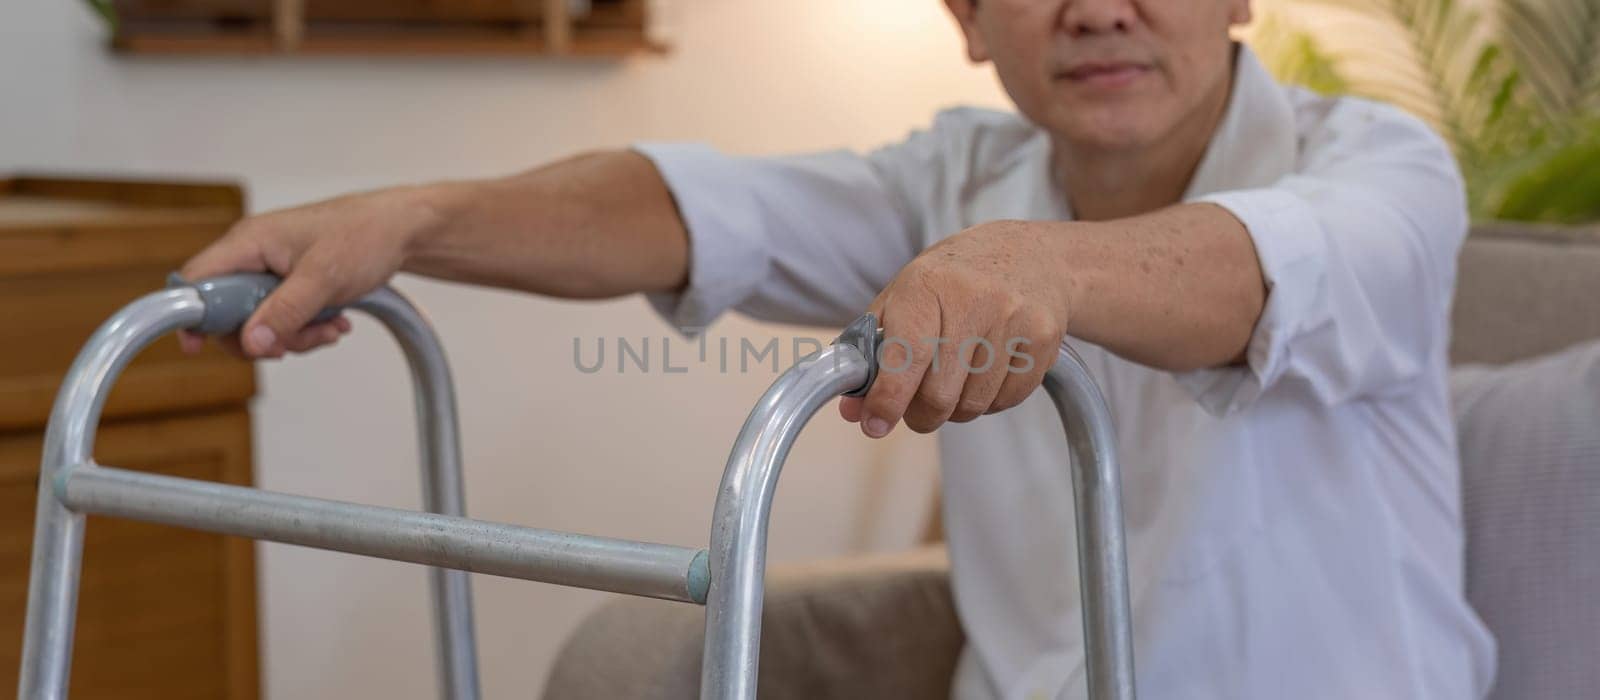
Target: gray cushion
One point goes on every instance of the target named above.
(1525, 290)
(1530, 447)
(866, 627)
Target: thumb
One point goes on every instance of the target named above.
(284, 312)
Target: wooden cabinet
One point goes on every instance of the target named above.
(163, 612)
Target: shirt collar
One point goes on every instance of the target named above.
(1255, 143)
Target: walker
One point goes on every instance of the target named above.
(727, 577)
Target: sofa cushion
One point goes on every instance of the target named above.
(1525, 290)
(865, 627)
(1530, 451)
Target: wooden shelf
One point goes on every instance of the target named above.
(599, 46)
(611, 28)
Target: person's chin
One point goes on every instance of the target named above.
(1106, 129)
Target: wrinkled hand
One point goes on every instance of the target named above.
(328, 253)
(970, 327)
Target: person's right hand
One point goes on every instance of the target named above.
(328, 253)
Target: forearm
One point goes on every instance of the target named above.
(592, 226)
(1177, 289)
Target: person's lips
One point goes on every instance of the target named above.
(1105, 74)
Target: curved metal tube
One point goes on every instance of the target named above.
(744, 503)
(439, 436)
(68, 441)
(1102, 546)
(221, 305)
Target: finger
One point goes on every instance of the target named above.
(941, 386)
(1029, 362)
(237, 251)
(987, 364)
(850, 408)
(902, 359)
(190, 342)
(314, 336)
(285, 311)
(233, 252)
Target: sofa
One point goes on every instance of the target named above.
(1526, 395)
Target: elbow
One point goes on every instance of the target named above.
(1219, 336)
(1249, 305)
(1222, 342)
(1224, 339)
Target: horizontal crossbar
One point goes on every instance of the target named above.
(620, 566)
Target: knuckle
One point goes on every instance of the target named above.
(922, 424)
(939, 398)
(1013, 303)
(1005, 400)
(968, 409)
(315, 266)
(1030, 319)
(283, 307)
(920, 415)
(244, 229)
(884, 401)
(894, 358)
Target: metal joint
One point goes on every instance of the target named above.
(866, 335)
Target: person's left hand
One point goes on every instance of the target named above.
(969, 327)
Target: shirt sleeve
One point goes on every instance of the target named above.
(808, 239)
(1358, 251)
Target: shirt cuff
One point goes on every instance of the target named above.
(727, 256)
(1291, 251)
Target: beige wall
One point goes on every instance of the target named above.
(546, 445)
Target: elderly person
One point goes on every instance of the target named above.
(1257, 277)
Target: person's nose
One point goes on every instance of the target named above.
(1091, 17)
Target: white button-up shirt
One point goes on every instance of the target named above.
(1294, 524)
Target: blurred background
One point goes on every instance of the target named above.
(1513, 85)
(296, 101)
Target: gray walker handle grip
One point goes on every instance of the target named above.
(230, 300)
(848, 367)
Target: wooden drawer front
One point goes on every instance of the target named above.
(163, 612)
(73, 252)
(49, 317)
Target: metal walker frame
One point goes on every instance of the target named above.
(727, 578)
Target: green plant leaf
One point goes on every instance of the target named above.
(1293, 56)
(1559, 183)
(1515, 97)
(107, 11)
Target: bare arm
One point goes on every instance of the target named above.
(1176, 289)
(591, 226)
(1179, 288)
